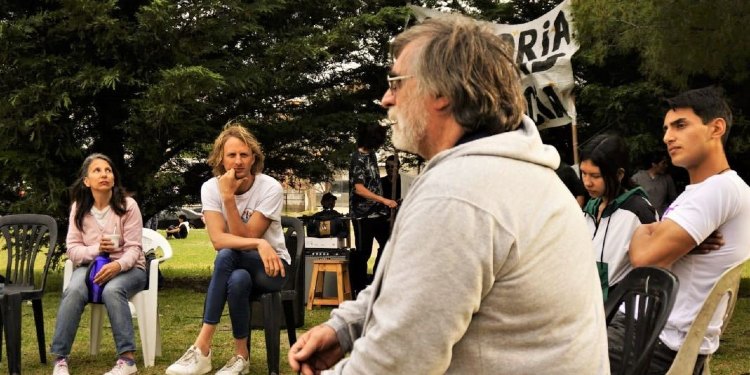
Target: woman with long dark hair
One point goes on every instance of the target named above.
(104, 223)
(615, 209)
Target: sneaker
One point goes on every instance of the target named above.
(123, 367)
(236, 366)
(193, 362)
(61, 367)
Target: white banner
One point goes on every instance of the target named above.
(542, 49)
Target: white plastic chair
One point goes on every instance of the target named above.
(144, 303)
(725, 289)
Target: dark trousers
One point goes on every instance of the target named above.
(661, 360)
(365, 231)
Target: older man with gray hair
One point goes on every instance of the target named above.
(475, 279)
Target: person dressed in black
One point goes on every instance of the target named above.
(367, 205)
(181, 230)
(391, 179)
(327, 218)
(328, 202)
(572, 182)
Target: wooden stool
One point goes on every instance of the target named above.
(319, 269)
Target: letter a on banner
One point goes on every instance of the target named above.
(542, 49)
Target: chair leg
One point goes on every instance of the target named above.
(340, 284)
(97, 322)
(313, 286)
(144, 329)
(1, 331)
(36, 305)
(158, 335)
(11, 306)
(272, 322)
(249, 332)
(291, 330)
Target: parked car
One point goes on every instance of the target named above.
(193, 214)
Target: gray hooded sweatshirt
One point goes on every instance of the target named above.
(489, 270)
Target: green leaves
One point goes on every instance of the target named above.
(676, 40)
(151, 83)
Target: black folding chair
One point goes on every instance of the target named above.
(648, 294)
(25, 237)
(289, 301)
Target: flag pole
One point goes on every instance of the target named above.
(574, 128)
(574, 133)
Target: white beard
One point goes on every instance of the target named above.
(407, 132)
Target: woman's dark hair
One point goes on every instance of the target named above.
(371, 136)
(609, 152)
(81, 194)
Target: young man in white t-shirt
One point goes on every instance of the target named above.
(696, 127)
(242, 208)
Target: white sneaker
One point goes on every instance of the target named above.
(236, 366)
(193, 362)
(122, 368)
(61, 367)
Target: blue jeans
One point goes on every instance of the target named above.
(237, 275)
(116, 294)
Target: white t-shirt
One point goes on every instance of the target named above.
(265, 196)
(722, 201)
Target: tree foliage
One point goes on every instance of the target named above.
(633, 54)
(151, 83)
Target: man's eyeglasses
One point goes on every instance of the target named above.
(395, 82)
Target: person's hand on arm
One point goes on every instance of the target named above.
(659, 244)
(271, 261)
(111, 269)
(222, 239)
(317, 350)
(713, 242)
(362, 191)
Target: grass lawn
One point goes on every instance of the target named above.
(181, 307)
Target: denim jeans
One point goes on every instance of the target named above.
(237, 275)
(116, 294)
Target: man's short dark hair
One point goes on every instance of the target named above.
(708, 103)
(371, 135)
(655, 158)
(182, 217)
(328, 201)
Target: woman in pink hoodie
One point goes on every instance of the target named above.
(103, 221)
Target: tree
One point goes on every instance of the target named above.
(151, 83)
(634, 53)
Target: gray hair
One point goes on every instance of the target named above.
(462, 60)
